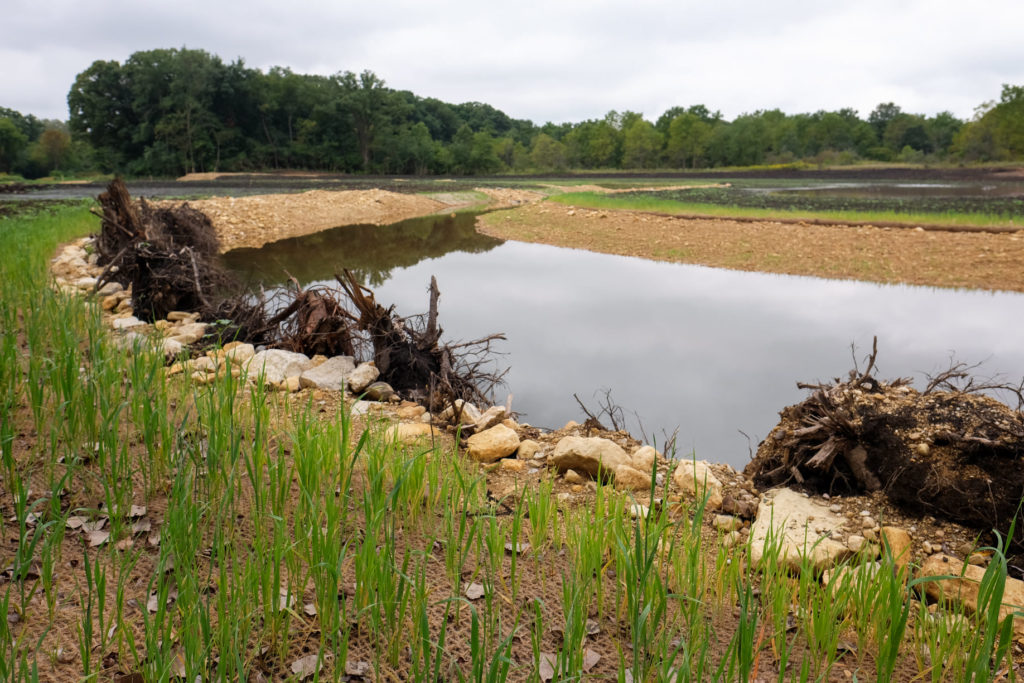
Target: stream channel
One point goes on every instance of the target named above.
(713, 353)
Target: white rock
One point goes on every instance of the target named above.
(784, 520)
(362, 376)
(490, 417)
(241, 353)
(470, 414)
(694, 478)
(188, 333)
(110, 289)
(492, 444)
(277, 365)
(629, 478)
(644, 458)
(330, 375)
(588, 455)
(85, 283)
(126, 323)
(171, 347)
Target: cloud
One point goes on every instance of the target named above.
(560, 61)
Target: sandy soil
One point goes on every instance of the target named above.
(255, 221)
(890, 255)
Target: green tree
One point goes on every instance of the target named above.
(641, 144)
(547, 153)
(12, 144)
(688, 140)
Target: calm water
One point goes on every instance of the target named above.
(710, 352)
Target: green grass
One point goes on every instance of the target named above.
(285, 532)
(595, 200)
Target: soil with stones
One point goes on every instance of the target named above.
(979, 260)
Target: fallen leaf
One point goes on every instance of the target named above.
(590, 659)
(153, 603)
(124, 544)
(474, 591)
(547, 666)
(517, 548)
(361, 669)
(593, 628)
(154, 539)
(136, 511)
(98, 537)
(75, 521)
(130, 678)
(310, 609)
(177, 664)
(94, 526)
(305, 667)
(65, 656)
(141, 526)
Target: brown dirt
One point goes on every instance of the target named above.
(257, 220)
(979, 260)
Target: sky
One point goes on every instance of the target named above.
(555, 60)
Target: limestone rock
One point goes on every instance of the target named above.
(412, 432)
(964, 589)
(331, 375)
(588, 454)
(897, 542)
(178, 316)
(628, 478)
(362, 376)
(694, 478)
(527, 449)
(126, 323)
(239, 353)
(469, 413)
(109, 303)
(644, 458)
(189, 333)
(492, 444)
(799, 527)
(276, 365)
(727, 522)
(574, 477)
(490, 417)
(110, 288)
(172, 347)
(379, 391)
(409, 412)
(85, 283)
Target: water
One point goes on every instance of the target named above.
(711, 352)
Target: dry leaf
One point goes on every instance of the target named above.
(474, 591)
(153, 603)
(593, 628)
(97, 538)
(75, 521)
(305, 667)
(154, 539)
(310, 609)
(136, 511)
(517, 548)
(590, 659)
(177, 664)
(94, 526)
(141, 526)
(547, 666)
(361, 669)
(124, 544)
(65, 656)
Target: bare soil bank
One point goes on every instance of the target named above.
(255, 221)
(876, 254)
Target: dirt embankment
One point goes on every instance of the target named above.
(258, 220)
(887, 255)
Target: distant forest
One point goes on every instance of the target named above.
(172, 111)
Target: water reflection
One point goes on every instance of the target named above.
(710, 351)
(371, 251)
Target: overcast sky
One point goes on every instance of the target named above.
(555, 60)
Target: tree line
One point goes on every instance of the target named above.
(171, 111)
